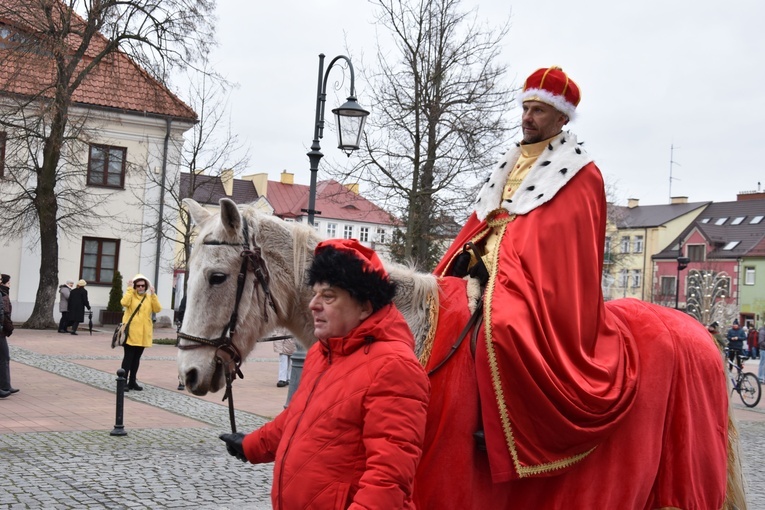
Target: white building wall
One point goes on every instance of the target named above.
(144, 139)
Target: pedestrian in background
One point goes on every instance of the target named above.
(63, 306)
(714, 330)
(78, 302)
(285, 348)
(6, 329)
(751, 340)
(140, 302)
(761, 345)
(736, 338)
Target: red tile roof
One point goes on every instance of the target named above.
(333, 200)
(117, 82)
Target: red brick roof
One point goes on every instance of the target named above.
(117, 82)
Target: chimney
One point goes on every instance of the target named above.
(750, 195)
(632, 202)
(227, 180)
(260, 181)
(353, 187)
(678, 200)
(287, 177)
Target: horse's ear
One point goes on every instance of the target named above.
(230, 215)
(198, 213)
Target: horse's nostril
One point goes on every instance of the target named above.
(191, 378)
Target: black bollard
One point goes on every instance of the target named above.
(119, 428)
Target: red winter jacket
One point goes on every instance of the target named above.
(352, 434)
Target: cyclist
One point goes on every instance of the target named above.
(736, 338)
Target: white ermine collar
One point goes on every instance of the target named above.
(552, 170)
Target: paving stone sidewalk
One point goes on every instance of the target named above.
(63, 456)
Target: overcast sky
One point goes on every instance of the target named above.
(653, 74)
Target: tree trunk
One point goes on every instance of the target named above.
(47, 210)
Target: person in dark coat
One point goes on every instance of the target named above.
(63, 306)
(78, 302)
(6, 329)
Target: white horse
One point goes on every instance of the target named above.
(270, 257)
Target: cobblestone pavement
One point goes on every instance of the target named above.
(172, 467)
(147, 468)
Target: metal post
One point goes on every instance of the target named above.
(314, 157)
(119, 428)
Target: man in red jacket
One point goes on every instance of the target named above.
(352, 434)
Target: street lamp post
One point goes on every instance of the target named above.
(682, 263)
(350, 126)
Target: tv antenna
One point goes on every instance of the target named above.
(672, 162)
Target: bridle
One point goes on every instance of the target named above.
(226, 353)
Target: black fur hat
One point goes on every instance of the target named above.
(347, 264)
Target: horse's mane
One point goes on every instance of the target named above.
(416, 294)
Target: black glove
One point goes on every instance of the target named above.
(460, 265)
(234, 445)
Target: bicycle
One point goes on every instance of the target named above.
(745, 383)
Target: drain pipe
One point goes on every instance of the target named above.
(161, 203)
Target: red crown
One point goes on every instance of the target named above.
(552, 86)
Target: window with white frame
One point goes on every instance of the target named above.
(696, 252)
(316, 225)
(668, 285)
(364, 234)
(637, 277)
(331, 230)
(625, 244)
(380, 235)
(624, 277)
(748, 275)
(348, 232)
(637, 245)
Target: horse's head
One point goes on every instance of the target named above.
(269, 256)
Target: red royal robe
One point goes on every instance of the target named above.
(556, 374)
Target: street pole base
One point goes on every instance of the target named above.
(118, 431)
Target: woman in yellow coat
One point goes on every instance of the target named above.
(139, 296)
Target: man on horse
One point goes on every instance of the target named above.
(557, 372)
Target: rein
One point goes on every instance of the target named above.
(226, 353)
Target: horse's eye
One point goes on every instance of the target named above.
(217, 278)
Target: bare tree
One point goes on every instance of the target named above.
(48, 49)
(209, 150)
(438, 116)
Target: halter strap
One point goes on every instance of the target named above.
(226, 353)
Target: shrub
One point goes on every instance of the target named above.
(115, 294)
